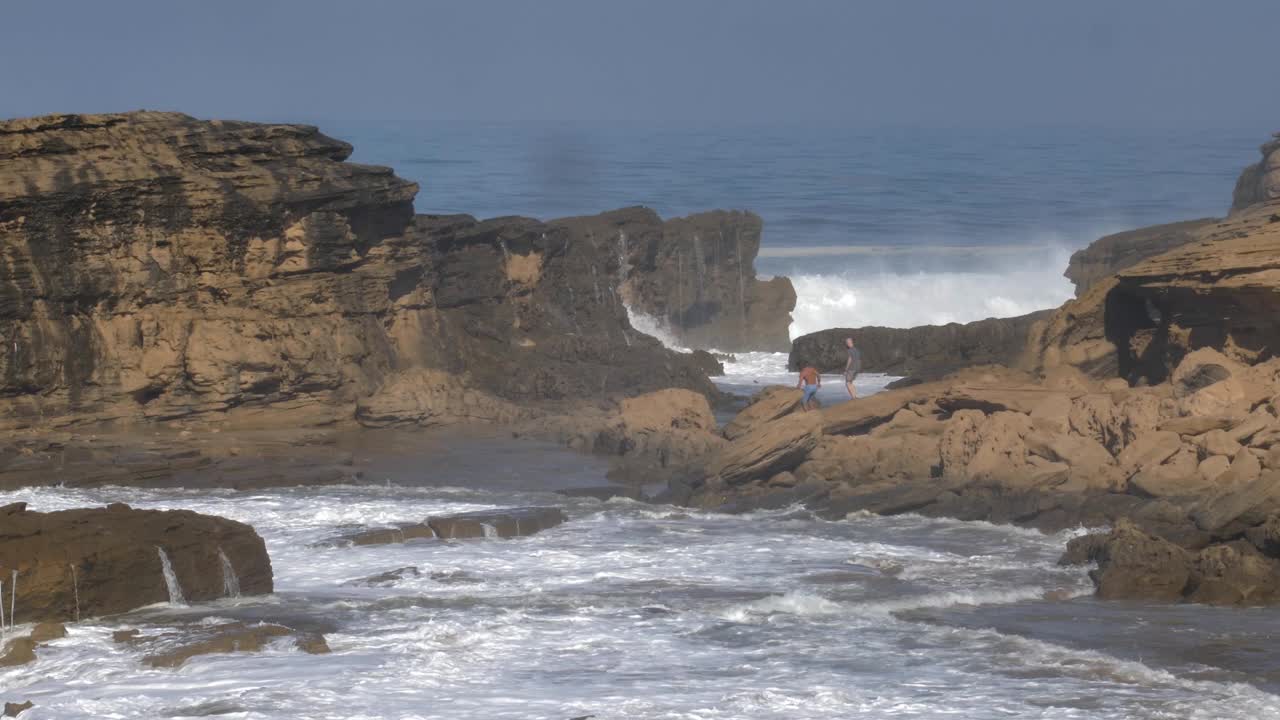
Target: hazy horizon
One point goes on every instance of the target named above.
(983, 64)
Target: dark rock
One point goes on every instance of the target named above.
(46, 631)
(387, 536)
(16, 709)
(1234, 574)
(1133, 565)
(1266, 537)
(707, 363)
(390, 577)
(175, 649)
(697, 276)
(109, 560)
(505, 523)
(1260, 182)
(13, 508)
(127, 636)
(927, 352)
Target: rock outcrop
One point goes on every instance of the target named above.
(1260, 182)
(922, 353)
(75, 564)
(154, 266)
(696, 275)
(1110, 254)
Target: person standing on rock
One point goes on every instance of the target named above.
(810, 381)
(852, 367)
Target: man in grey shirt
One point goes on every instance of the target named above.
(851, 368)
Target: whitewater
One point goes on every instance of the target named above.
(638, 611)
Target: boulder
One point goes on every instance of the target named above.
(1217, 442)
(1234, 574)
(766, 406)
(1211, 468)
(1133, 565)
(18, 651)
(110, 559)
(1266, 537)
(768, 449)
(666, 410)
(1197, 424)
(503, 523)
(1148, 451)
(46, 631)
(15, 709)
(1234, 498)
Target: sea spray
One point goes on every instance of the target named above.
(170, 579)
(230, 583)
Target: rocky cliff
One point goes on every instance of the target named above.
(1109, 255)
(154, 266)
(1259, 182)
(922, 353)
(696, 275)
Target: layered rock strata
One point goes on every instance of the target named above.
(1110, 254)
(76, 564)
(1260, 182)
(697, 276)
(156, 267)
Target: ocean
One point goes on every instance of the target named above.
(639, 611)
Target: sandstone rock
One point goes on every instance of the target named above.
(1113, 253)
(1234, 574)
(1016, 398)
(387, 536)
(1266, 537)
(768, 449)
(1218, 442)
(1236, 498)
(109, 559)
(925, 353)
(1213, 467)
(1075, 335)
(15, 709)
(767, 405)
(1198, 424)
(46, 631)
(1149, 450)
(239, 270)
(1133, 565)
(504, 523)
(18, 651)
(1257, 421)
(1260, 182)
(1053, 414)
(1216, 292)
(861, 416)
(1169, 481)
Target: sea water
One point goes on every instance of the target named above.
(631, 610)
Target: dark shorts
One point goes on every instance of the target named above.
(850, 376)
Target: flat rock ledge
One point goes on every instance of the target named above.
(503, 523)
(77, 564)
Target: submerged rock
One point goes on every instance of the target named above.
(226, 638)
(505, 523)
(76, 564)
(390, 577)
(18, 651)
(13, 710)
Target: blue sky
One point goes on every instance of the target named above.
(691, 63)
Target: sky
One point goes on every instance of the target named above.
(670, 63)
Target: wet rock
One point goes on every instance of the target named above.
(46, 631)
(18, 651)
(1133, 565)
(127, 636)
(603, 492)
(1234, 574)
(1266, 537)
(110, 560)
(13, 710)
(708, 363)
(225, 638)
(388, 578)
(505, 523)
(388, 536)
(766, 406)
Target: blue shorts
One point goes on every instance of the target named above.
(809, 392)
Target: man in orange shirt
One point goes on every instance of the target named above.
(810, 381)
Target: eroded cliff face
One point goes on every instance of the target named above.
(1260, 182)
(1110, 254)
(696, 275)
(155, 266)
